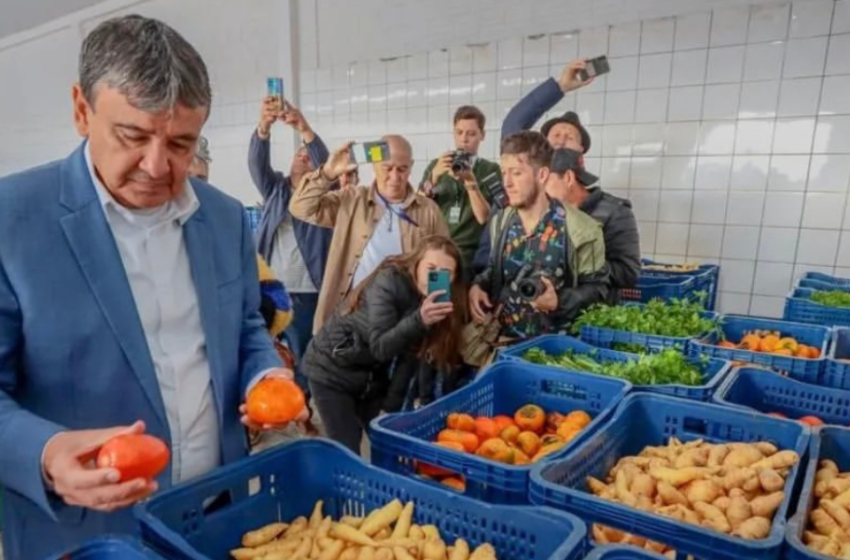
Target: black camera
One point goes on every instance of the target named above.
(461, 161)
(529, 283)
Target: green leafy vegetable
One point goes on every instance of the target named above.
(676, 318)
(833, 298)
(664, 368)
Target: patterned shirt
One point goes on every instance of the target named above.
(526, 256)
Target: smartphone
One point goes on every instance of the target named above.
(440, 280)
(595, 67)
(274, 87)
(370, 152)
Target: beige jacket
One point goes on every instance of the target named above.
(352, 214)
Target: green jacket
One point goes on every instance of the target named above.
(584, 259)
(451, 196)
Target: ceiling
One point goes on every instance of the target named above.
(20, 15)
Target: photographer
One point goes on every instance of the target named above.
(547, 259)
(465, 185)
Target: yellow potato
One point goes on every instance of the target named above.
(263, 535)
(460, 551)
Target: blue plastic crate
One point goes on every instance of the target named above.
(400, 440)
(605, 337)
(836, 372)
(714, 370)
(800, 308)
(734, 327)
(665, 288)
(643, 420)
(766, 391)
(109, 547)
(706, 279)
(828, 442)
(827, 278)
(621, 552)
(822, 285)
(284, 482)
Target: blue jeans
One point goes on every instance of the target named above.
(300, 332)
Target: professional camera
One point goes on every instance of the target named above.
(461, 161)
(529, 283)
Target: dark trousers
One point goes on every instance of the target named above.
(300, 331)
(344, 415)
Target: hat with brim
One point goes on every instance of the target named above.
(564, 159)
(568, 118)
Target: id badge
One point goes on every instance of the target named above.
(454, 214)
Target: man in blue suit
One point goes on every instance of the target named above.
(129, 298)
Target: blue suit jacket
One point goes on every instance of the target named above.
(73, 354)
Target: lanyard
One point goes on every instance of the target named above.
(402, 215)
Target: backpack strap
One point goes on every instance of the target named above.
(498, 234)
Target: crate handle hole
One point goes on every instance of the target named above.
(217, 503)
(695, 426)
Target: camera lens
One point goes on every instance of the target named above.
(527, 289)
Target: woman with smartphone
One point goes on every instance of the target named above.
(410, 310)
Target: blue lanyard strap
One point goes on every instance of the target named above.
(402, 215)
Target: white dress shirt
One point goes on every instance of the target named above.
(287, 262)
(156, 261)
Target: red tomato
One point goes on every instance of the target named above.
(134, 456)
(275, 400)
(811, 420)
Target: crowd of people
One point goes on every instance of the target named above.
(130, 299)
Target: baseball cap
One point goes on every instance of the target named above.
(564, 159)
(203, 150)
(569, 118)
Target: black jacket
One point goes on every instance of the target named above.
(622, 241)
(354, 352)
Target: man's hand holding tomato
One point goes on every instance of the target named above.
(69, 465)
(274, 402)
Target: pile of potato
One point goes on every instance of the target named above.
(734, 488)
(829, 520)
(387, 533)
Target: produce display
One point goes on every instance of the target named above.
(733, 488)
(275, 400)
(387, 533)
(831, 298)
(687, 267)
(525, 438)
(829, 520)
(772, 342)
(666, 367)
(134, 456)
(679, 318)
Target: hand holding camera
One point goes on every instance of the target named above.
(534, 286)
(547, 301)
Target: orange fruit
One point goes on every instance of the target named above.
(275, 400)
(810, 421)
(458, 421)
(579, 418)
(530, 418)
(486, 428)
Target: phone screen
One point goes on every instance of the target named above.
(595, 67)
(440, 280)
(274, 88)
(370, 152)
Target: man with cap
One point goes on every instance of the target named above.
(571, 183)
(200, 166)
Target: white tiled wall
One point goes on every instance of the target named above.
(729, 129)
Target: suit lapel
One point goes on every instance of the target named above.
(199, 246)
(93, 245)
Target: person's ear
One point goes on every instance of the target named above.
(543, 175)
(82, 110)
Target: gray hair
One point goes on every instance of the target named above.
(146, 60)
